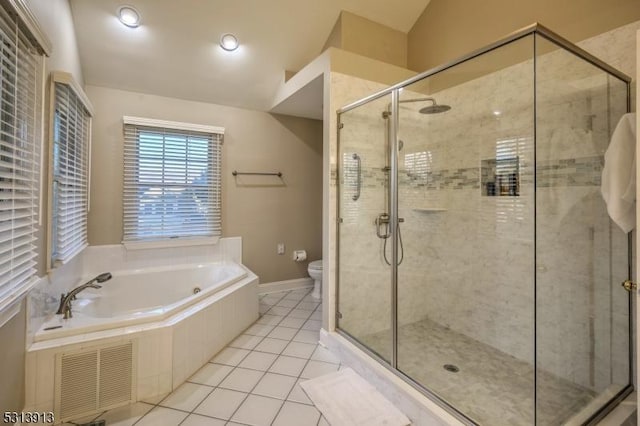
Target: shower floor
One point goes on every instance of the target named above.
(491, 387)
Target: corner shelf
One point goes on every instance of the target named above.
(429, 209)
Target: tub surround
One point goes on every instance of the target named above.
(167, 350)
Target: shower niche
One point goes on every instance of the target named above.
(515, 281)
(500, 177)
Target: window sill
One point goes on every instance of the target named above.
(178, 242)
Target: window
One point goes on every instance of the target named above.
(70, 169)
(171, 180)
(20, 144)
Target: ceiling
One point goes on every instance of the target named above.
(175, 51)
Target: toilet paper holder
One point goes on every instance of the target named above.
(299, 255)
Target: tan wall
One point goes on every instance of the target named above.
(448, 29)
(262, 210)
(367, 38)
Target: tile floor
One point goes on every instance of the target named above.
(491, 387)
(254, 380)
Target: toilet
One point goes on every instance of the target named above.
(315, 272)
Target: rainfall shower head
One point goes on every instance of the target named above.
(434, 109)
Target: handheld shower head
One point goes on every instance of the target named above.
(104, 277)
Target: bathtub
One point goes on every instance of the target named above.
(164, 323)
(141, 296)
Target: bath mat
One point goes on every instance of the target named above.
(346, 399)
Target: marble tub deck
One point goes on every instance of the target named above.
(491, 387)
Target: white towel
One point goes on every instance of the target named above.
(619, 174)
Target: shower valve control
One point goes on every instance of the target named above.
(384, 219)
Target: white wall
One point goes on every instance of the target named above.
(54, 16)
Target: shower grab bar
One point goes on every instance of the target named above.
(236, 173)
(359, 176)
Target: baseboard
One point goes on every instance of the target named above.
(286, 285)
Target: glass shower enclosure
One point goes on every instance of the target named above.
(476, 259)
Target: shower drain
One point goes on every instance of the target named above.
(451, 368)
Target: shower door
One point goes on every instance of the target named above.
(466, 285)
(476, 258)
(364, 293)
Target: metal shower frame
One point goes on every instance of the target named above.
(394, 91)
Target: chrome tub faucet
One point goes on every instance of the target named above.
(65, 300)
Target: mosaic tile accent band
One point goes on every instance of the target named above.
(585, 171)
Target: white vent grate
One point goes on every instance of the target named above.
(78, 377)
(94, 380)
(115, 375)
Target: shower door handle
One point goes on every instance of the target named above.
(358, 176)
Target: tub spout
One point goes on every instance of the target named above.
(65, 300)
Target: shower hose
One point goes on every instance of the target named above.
(384, 247)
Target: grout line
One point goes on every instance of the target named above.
(249, 351)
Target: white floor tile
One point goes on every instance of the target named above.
(318, 368)
(230, 356)
(299, 313)
(284, 333)
(323, 422)
(270, 319)
(292, 322)
(274, 346)
(161, 416)
(324, 355)
(295, 296)
(307, 336)
(259, 329)
(274, 385)
(307, 306)
(246, 341)
(288, 365)
(198, 420)
(298, 394)
(241, 379)
(257, 410)
(293, 414)
(299, 349)
(284, 303)
(258, 361)
(312, 325)
(317, 315)
(271, 300)
(126, 415)
(211, 374)
(278, 310)
(186, 397)
(221, 403)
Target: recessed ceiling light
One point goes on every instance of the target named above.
(129, 16)
(229, 42)
(497, 113)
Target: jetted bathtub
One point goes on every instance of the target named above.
(141, 296)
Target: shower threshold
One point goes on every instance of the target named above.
(490, 386)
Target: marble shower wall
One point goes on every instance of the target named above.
(469, 258)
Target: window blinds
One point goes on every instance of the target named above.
(171, 181)
(71, 139)
(20, 140)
